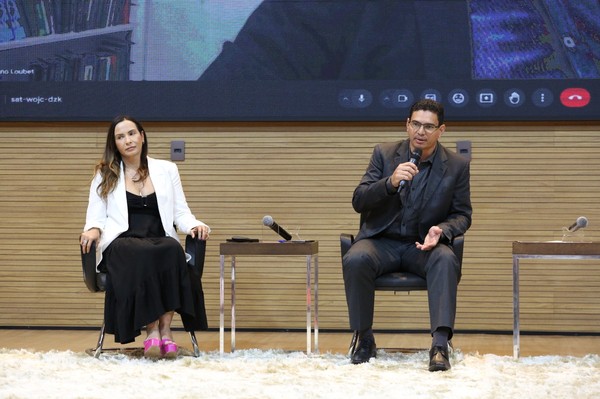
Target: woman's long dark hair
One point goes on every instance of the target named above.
(110, 165)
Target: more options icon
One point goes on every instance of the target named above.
(542, 97)
(575, 97)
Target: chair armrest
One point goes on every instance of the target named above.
(88, 263)
(197, 250)
(458, 244)
(95, 281)
(346, 241)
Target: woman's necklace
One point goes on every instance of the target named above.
(139, 183)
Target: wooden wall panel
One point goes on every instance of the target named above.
(527, 182)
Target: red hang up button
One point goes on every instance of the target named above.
(575, 97)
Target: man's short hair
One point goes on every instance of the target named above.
(428, 105)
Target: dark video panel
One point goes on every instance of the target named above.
(312, 60)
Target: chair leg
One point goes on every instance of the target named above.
(353, 343)
(194, 344)
(98, 349)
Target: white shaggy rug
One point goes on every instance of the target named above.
(277, 374)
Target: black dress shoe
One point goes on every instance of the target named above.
(366, 349)
(438, 359)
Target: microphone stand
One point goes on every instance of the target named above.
(573, 236)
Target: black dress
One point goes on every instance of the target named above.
(147, 273)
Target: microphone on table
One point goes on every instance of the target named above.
(269, 222)
(580, 223)
(415, 157)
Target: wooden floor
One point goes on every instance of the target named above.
(531, 345)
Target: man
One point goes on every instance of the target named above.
(409, 215)
(414, 40)
(348, 40)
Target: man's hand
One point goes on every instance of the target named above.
(431, 240)
(404, 171)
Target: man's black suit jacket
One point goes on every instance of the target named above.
(446, 200)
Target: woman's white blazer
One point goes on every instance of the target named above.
(111, 215)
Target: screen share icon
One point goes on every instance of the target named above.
(486, 97)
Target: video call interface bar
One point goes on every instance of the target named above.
(572, 97)
(529, 100)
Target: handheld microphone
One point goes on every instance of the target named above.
(415, 157)
(269, 222)
(580, 223)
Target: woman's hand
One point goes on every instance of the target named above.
(201, 232)
(87, 237)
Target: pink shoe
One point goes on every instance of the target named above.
(168, 348)
(152, 348)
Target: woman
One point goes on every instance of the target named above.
(134, 205)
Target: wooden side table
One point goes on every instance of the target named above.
(544, 250)
(310, 249)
